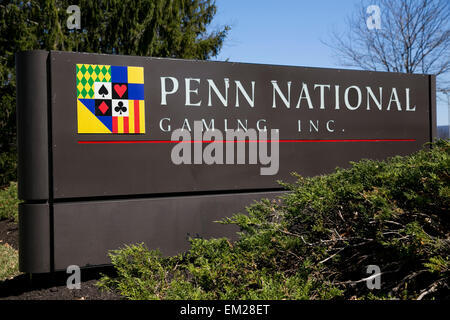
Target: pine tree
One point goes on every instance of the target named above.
(158, 28)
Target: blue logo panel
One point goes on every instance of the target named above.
(135, 91)
(119, 74)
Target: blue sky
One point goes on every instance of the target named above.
(287, 32)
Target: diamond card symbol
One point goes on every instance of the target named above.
(102, 107)
(110, 99)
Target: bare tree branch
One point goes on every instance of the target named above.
(432, 288)
(414, 38)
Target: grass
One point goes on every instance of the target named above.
(9, 262)
(9, 257)
(9, 202)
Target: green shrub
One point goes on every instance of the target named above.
(8, 150)
(9, 202)
(8, 166)
(316, 241)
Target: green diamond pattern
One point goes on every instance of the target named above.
(88, 90)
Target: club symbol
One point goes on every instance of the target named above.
(120, 108)
(103, 91)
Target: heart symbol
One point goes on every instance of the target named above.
(120, 89)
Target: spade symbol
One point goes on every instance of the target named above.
(103, 91)
(120, 108)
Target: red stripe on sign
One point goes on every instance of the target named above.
(126, 125)
(136, 117)
(246, 141)
(114, 125)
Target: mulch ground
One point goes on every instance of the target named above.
(51, 286)
(9, 233)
